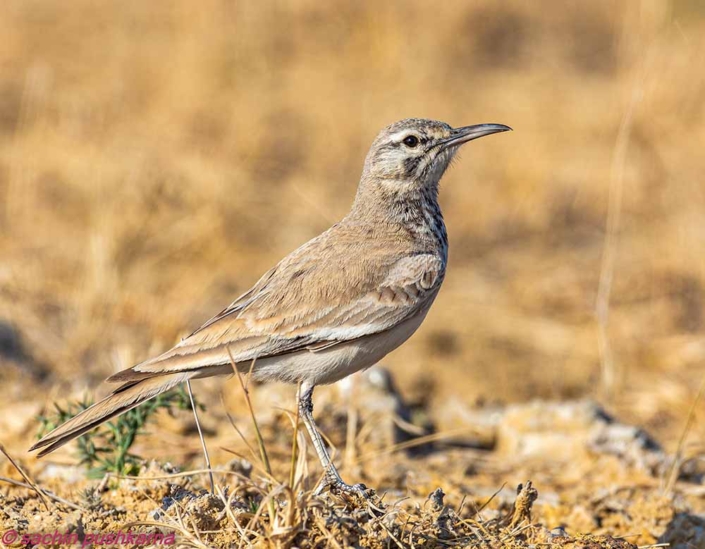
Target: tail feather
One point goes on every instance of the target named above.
(124, 398)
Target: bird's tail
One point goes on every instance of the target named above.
(124, 398)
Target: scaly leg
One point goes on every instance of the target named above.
(332, 477)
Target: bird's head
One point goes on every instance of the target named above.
(413, 154)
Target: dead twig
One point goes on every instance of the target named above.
(25, 476)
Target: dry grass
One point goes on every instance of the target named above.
(236, 517)
(157, 157)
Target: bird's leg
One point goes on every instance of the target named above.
(332, 477)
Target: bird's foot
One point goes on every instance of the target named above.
(337, 486)
(358, 495)
(358, 490)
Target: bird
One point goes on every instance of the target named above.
(334, 306)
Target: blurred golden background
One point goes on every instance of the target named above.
(157, 157)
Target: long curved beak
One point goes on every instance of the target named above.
(468, 133)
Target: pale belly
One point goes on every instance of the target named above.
(330, 365)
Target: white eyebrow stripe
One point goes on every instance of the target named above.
(403, 133)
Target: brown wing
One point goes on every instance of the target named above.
(317, 297)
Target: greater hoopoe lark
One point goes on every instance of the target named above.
(334, 306)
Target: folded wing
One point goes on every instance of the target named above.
(289, 311)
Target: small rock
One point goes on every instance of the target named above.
(567, 430)
(685, 531)
(377, 399)
(436, 498)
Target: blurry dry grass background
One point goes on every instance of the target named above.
(157, 157)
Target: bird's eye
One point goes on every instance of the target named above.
(411, 141)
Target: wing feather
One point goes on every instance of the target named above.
(294, 309)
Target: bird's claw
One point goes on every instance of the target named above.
(359, 489)
(337, 486)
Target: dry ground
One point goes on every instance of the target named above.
(157, 157)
